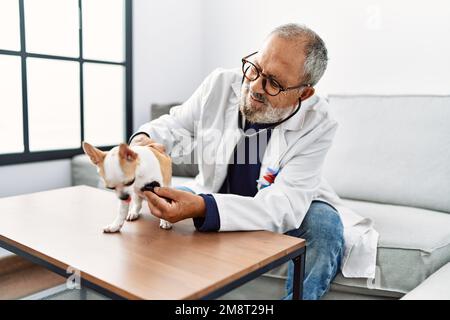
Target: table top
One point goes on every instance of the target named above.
(64, 227)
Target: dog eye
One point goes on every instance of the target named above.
(129, 183)
(111, 188)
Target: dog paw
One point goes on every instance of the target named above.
(163, 224)
(132, 216)
(112, 228)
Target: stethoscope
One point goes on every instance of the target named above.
(241, 120)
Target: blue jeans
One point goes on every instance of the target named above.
(323, 231)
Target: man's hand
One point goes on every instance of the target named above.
(144, 140)
(184, 204)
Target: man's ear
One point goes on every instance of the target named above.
(97, 156)
(306, 93)
(126, 153)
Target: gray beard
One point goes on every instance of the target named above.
(265, 113)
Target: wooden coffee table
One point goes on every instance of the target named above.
(62, 230)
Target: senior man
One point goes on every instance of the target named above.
(262, 136)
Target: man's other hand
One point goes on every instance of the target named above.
(143, 140)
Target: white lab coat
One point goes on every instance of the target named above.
(297, 148)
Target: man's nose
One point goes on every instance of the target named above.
(257, 85)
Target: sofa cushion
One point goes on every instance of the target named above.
(392, 149)
(413, 244)
(84, 172)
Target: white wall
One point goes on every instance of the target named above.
(167, 53)
(387, 47)
(33, 177)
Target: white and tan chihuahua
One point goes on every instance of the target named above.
(130, 171)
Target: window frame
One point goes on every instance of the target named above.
(28, 156)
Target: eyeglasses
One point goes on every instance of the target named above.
(270, 86)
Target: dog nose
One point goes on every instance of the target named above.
(124, 196)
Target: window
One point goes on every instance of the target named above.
(65, 77)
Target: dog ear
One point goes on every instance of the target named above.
(97, 156)
(126, 153)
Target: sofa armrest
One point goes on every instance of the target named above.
(435, 287)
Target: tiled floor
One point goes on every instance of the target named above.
(75, 294)
(263, 289)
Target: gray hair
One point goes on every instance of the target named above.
(315, 51)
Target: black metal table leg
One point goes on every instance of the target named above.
(299, 276)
